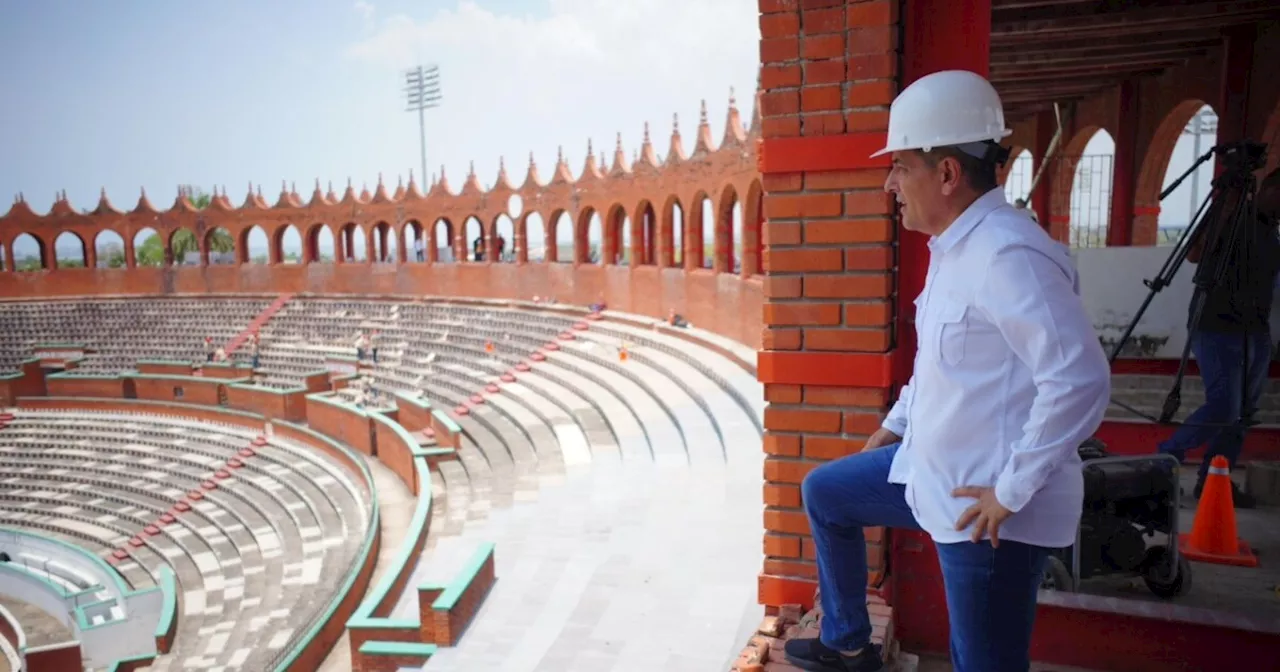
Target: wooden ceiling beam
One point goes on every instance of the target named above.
(1050, 57)
(1076, 44)
(1137, 65)
(1128, 22)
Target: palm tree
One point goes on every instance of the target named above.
(151, 252)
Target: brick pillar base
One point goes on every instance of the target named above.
(829, 73)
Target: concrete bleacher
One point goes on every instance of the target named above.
(580, 469)
(121, 332)
(1146, 393)
(258, 535)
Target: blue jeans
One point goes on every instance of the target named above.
(991, 592)
(1232, 388)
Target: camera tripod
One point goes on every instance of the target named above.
(1229, 209)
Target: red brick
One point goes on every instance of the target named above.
(849, 231)
(848, 286)
(873, 535)
(786, 445)
(779, 77)
(864, 424)
(781, 233)
(868, 314)
(795, 206)
(878, 13)
(801, 420)
(856, 340)
(821, 123)
(796, 260)
(803, 313)
(869, 258)
(830, 447)
(779, 50)
(866, 121)
(819, 4)
(782, 181)
(819, 98)
(821, 47)
(774, 338)
(824, 72)
(822, 395)
(819, 21)
(780, 127)
(784, 24)
(869, 94)
(873, 66)
(774, 103)
(783, 496)
(788, 522)
(777, 545)
(768, 6)
(846, 179)
(779, 393)
(873, 40)
(868, 202)
(782, 287)
(778, 470)
(807, 570)
(807, 550)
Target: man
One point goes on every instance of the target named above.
(980, 448)
(254, 350)
(1232, 342)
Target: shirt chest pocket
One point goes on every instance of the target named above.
(950, 333)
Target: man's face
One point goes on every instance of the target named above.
(919, 190)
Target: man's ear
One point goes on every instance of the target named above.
(950, 175)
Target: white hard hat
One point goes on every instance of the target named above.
(952, 107)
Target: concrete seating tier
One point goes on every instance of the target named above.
(1147, 394)
(257, 556)
(123, 331)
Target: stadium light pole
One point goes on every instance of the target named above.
(422, 89)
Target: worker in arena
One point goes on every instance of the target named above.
(979, 450)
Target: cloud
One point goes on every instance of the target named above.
(576, 69)
(365, 9)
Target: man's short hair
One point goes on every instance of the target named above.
(979, 173)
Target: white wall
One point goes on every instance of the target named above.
(1113, 291)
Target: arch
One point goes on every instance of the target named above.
(1170, 137)
(4, 257)
(383, 246)
(1017, 175)
(504, 232)
(221, 247)
(702, 232)
(560, 238)
(535, 239)
(753, 230)
(286, 246)
(671, 234)
(617, 232)
(1081, 200)
(474, 240)
(414, 247)
(727, 241)
(29, 253)
(1271, 136)
(320, 245)
(69, 252)
(149, 248)
(108, 250)
(352, 242)
(644, 234)
(255, 247)
(440, 241)
(185, 248)
(586, 237)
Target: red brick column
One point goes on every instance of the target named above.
(829, 72)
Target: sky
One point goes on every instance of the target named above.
(153, 94)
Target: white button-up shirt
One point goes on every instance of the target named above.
(1009, 379)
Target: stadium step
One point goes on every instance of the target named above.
(261, 319)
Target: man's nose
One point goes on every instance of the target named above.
(890, 183)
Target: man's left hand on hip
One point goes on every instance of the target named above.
(986, 514)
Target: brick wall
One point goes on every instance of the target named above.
(830, 69)
(270, 403)
(343, 425)
(90, 386)
(193, 390)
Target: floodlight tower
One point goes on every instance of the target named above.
(422, 88)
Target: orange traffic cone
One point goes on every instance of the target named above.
(622, 354)
(1213, 534)
(488, 346)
